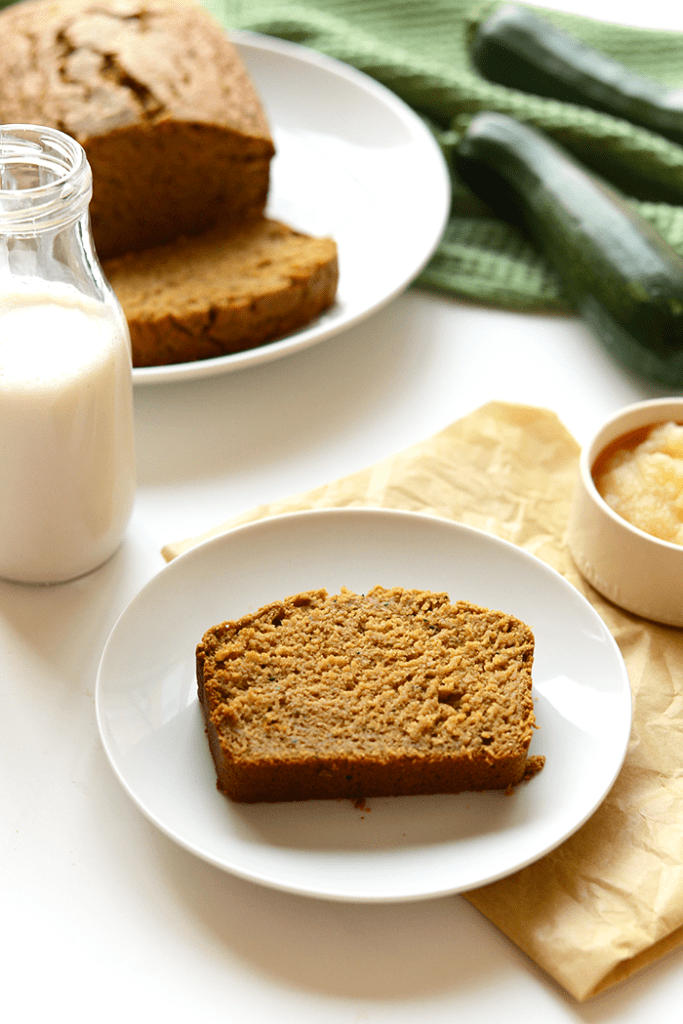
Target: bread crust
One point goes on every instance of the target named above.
(160, 100)
(392, 693)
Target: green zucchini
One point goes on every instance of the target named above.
(620, 275)
(515, 47)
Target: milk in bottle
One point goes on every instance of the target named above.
(67, 474)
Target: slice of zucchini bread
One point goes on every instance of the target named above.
(394, 692)
(226, 290)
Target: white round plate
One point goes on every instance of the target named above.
(396, 848)
(353, 162)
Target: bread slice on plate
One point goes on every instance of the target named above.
(229, 289)
(396, 692)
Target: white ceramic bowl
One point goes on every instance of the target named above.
(636, 571)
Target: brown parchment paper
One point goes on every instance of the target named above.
(609, 900)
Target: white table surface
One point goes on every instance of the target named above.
(103, 917)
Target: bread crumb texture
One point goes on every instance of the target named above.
(232, 288)
(394, 692)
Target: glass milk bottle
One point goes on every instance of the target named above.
(67, 469)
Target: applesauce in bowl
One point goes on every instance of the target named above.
(613, 536)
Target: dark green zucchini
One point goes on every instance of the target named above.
(515, 47)
(621, 276)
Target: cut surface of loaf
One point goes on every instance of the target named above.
(161, 102)
(231, 288)
(395, 692)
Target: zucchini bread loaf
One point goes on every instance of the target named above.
(229, 289)
(158, 97)
(395, 692)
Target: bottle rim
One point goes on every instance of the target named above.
(45, 179)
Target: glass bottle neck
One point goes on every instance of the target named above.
(45, 180)
(45, 191)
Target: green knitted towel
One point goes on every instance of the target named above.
(418, 48)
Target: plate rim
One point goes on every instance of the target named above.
(278, 884)
(319, 331)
